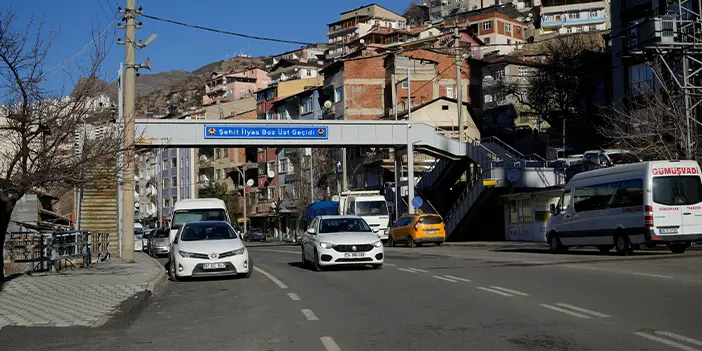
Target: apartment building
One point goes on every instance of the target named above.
(500, 28)
(356, 23)
(234, 86)
(439, 9)
(147, 185)
(573, 16)
(267, 96)
(310, 53)
(291, 69)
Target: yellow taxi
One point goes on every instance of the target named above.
(418, 229)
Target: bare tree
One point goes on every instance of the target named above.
(38, 128)
(300, 194)
(652, 125)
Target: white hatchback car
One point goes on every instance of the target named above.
(341, 240)
(202, 249)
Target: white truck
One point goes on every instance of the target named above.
(369, 205)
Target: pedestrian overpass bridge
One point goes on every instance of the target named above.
(488, 162)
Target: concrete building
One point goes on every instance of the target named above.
(304, 54)
(177, 176)
(357, 23)
(234, 86)
(500, 27)
(290, 69)
(573, 16)
(147, 186)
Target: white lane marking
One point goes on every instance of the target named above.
(272, 278)
(407, 270)
(269, 250)
(419, 270)
(457, 278)
(294, 297)
(665, 341)
(583, 310)
(309, 314)
(390, 264)
(329, 344)
(679, 337)
(495, 291)
(510, 291)
(446, 279)
(652, 275)
(558, 309)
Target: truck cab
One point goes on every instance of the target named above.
(369, 205)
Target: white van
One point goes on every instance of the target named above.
(369, 205)
(647, 203)
(195, 210)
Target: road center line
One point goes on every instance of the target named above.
(309, 314)
(272, 278)
(419, 270)
(390, 264)
(495, 291)
(514, 292)
(679, 337)
(457, 278)
(407, 270)
(665, 341)
(583, 310)
(294, 297)
(329, 344)
(558, 309)
(446, 279)
(653, 275)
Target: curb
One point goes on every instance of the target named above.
(160, 281)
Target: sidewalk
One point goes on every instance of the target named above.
(77, 297)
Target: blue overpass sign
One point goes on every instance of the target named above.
(215, 131)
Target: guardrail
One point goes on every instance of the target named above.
(56, 250)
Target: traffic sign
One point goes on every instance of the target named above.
(417, 202)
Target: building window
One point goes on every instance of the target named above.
(174, 163)
(174, 182)
(523, 72)
(307, 105)
(508, 27)
(405, 84)
(574, 15)
(283, 165)
(270, 167)
(487, 25)
(509, 42)
(259, 98)
(339, 94)
(166, 202)
(166, 183)
(271, 193)
(640, 79)
(519, 30)
(218, 175)
(165, 164)
(488, 98)
(449, 91)
(269, 95)
(594, 13)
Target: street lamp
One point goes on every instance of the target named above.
(244, 183)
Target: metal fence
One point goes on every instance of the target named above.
(57, 250)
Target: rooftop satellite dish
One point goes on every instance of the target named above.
(327, 104)
(271, 174)
(250, 182)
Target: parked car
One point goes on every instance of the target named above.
(158, 243)
(208, 249)
(341, 240)
(256, 235)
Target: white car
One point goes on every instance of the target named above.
(202, 249)
(341, 240)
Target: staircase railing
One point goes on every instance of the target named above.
(511, 150)
(474, 189)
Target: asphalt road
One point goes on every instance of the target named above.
(445, 298)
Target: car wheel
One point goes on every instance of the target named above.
(172, 271)
(303, 259)
(391, 242)
(438, 244)
(315, 264)
(622, 245)
(604, 248)
(410, 241)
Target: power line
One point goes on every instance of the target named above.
(247, 36)
(55, 69)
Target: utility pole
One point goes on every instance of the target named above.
(130, 14)
(459, 90)
(345, 181)
(120, 159)
(244, 185)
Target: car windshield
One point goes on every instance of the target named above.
(623, 158)
(185, 216)
(340, 225)
(207, 231)
(371, 208)
(431, 220)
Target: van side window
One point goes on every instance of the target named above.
(629, 194)
(594, 197)
(351, 207)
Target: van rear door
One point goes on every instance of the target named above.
(677, 204)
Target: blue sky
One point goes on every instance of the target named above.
(179, 47)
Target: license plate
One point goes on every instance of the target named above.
(354, 254)
(431, 231)
(668, 231)
(214, 266)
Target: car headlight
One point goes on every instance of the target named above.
(185, 254)
(378, 244)
(239, 251)
(326, 245)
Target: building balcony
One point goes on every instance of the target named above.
(572, 22)
(215, 89)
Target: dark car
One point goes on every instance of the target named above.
(255, 235)
(159, 244)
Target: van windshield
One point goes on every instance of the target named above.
(677, 190)
(197, 215)
(371, 208)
